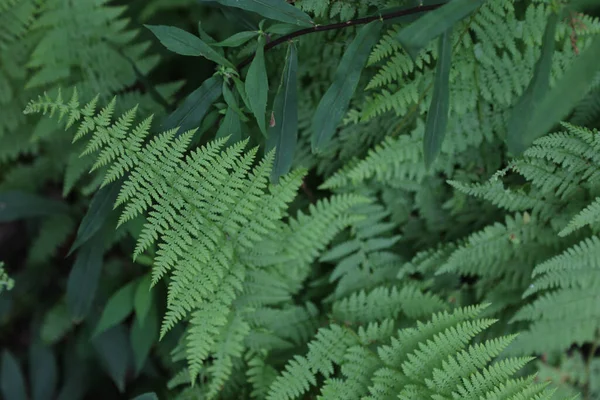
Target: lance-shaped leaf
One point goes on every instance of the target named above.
(43, 372)
(56, 323)
(561, 99)
(230, 126)
(84, 276)
(416, 36)
(437, 117)
(238, 39)
(184, 43)
(335, 102)
(278, 10)
(12, 382)
(190, 114)
(114, 351)
(20, 205)
(143, 335)
(231, 101)
(284, 130)
(583, 4)
(517, 132)
(118, 307)
(146, 396)
(100, 208)
(257, 85)
(142, 298)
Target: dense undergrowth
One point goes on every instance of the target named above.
(382, 199)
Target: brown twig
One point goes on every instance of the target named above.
(341, 25)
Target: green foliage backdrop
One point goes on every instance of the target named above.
(310, 199)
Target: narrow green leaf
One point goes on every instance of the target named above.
(118, 307)
(437, 117)
(184, 43)
(239, 17)
(257, 85)
(143, 336)
(583, 4)
(190, 114)
(12, 382)
(230, 126)
(418, 34)
(75, 377)
(20, 205)
(517, 132)
(283, 134)
(231, 100)
(561, 99)
(281, 29)
(56, 323)
(143, 298)
(114, 351)
(241, 88)
(278, 10)
(238, 39)
(83, 278)
(204, 35)
(43, 372)
(100, 207)
(207, 123)
(334, 104)
(146, 396)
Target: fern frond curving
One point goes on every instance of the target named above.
(432, 360)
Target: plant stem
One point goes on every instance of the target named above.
(341, 25)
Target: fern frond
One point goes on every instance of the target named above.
(384, 303)
(588, 216)
(568, 303)
(218, 206)
(294, 381)
(432, 360)
(229, 346)
(493, 252)
(395, 160)
(96, 34)
(260, 375)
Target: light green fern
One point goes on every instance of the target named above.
(432, 360)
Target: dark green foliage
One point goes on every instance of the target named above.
(343, 200)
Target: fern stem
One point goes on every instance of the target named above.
(342, 25)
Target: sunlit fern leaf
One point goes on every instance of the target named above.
(211, 200)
